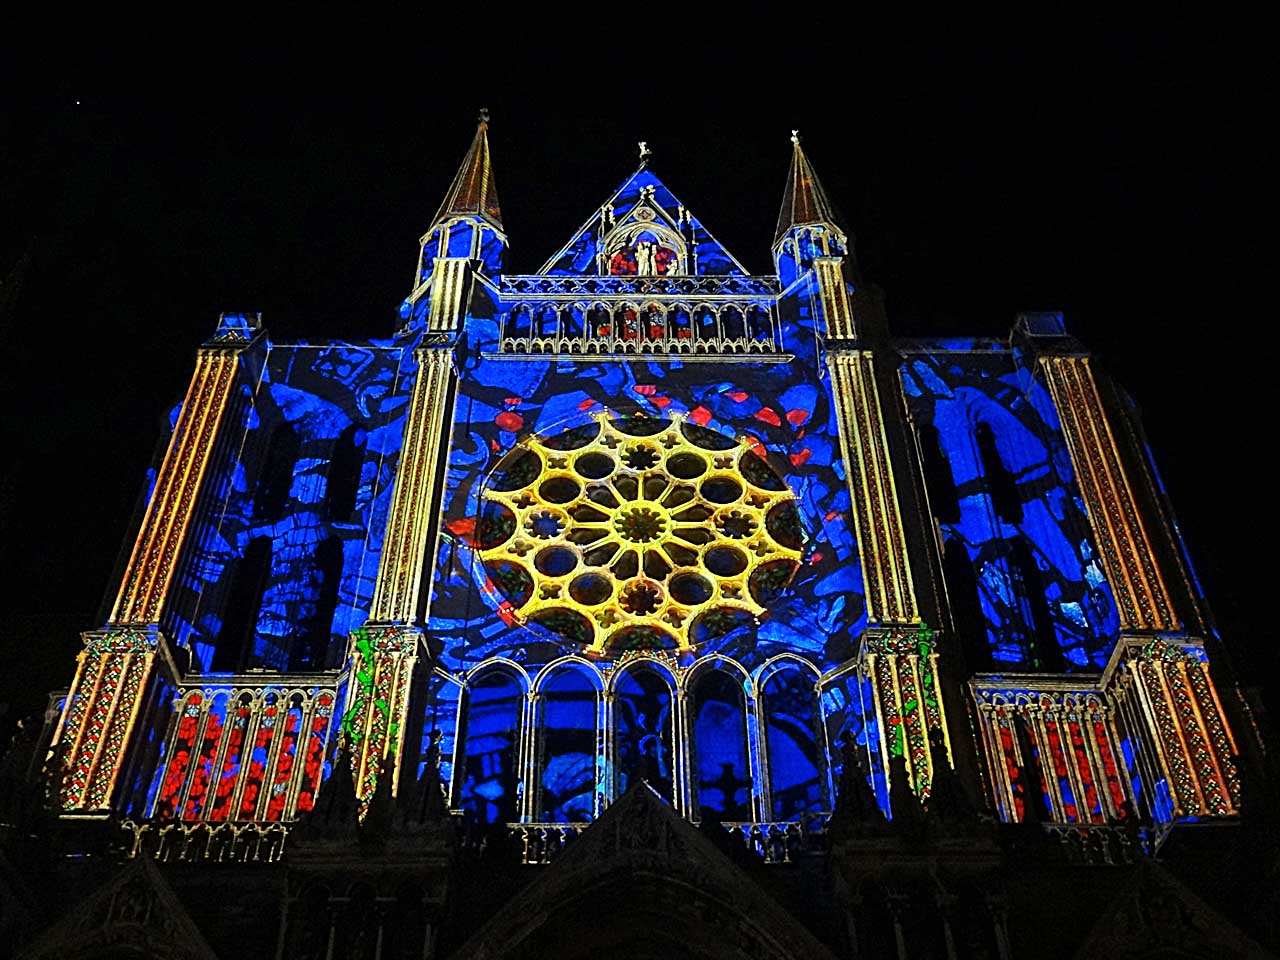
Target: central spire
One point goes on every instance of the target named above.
(804, 201)
(474, 193)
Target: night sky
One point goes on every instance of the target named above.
(1107, 175)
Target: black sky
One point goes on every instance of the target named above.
(1109, 174)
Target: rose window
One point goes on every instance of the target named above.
(638, 534)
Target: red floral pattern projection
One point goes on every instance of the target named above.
(1070, 739)
(257, 757)
(637, 259)
(182, 743)
(1013, 769)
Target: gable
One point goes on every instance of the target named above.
(643, 211)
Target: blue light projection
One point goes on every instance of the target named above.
(796, 779)
(642, 732)
(720, 746)
(782, 406)
(288, 546)
(570, 703)
(289, 541)
(489, 778)
(1012, 507)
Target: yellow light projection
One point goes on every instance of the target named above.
(638, 534)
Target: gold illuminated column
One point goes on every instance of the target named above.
(898, 653)
(385, 652)
(1119, 529)
(1162, 685)
(1164, 694)
(882, 550)
(122, 665)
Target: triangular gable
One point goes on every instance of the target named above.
(582, 255)
(1157, 915)
(640, 835)
(136, 909)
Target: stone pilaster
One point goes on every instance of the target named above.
(1163, 689)
(902, 666)
(121, 664)
(1120, 530)
(882, 548)
(385, 653)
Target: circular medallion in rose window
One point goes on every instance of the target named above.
(638, 534)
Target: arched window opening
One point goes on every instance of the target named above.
(732, 323)
(720, 746)
(796, 780)
(571, 320)
(759, 324)
(653, 322)
(237, 638)
(548, 322)
(681, 327)
(706, 327)
(567, 766)
(642, 731)
(490, 749)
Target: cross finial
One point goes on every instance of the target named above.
(795, 137)
(645, 152)
(484, 114)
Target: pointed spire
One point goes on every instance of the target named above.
(804, 201)
(474, 194)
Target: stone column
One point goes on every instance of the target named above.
(386, 651)
(126, 663)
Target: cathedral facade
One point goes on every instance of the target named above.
(644, 604)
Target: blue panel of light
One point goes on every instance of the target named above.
(489, 777)
(796, 780)
(642, 730)
(568, 774)
(720, 746)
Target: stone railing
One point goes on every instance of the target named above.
(1101, 845)
(782, 842)
(226, 842)
(579, 286)
(684, 343)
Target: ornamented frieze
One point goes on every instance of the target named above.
(903, 668)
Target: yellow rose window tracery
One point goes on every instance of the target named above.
(638, 534)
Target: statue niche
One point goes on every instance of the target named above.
(644, 250)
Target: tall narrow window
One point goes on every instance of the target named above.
(237, 638)
(277, 476)
(642, 730)
(938, 478)
(1001, 485)
(567, 770)
(315, 646)
(344, 474)
(489, 777)
(720, 746)
(796, 781)
(966, 606)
